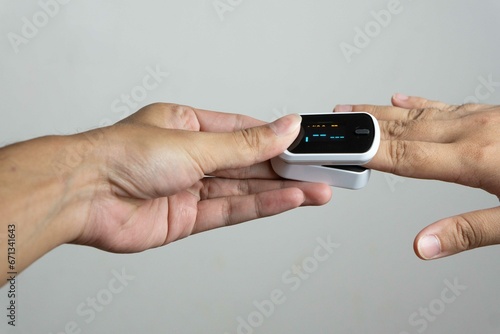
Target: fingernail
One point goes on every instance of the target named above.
(429, 247)
(286, 125)
(401, 97)
(343, 108)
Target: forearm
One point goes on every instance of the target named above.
(40, 205)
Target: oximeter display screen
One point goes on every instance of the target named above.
(334, 133)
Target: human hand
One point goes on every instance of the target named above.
(159, 175)
(153, 188)
(433, 140)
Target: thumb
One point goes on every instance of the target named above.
(460, 233)
(243, 148)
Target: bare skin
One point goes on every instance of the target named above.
(433, 140)
(170, 171)
(160, 175)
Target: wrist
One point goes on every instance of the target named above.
(47, 188)
(79, 167)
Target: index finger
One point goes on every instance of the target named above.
(215, 121)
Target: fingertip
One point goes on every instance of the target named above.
(400, 100)
(323, 194)
(343, 108)
(317, 194)
(246, 147)
(401, 97)
(428, 247)
(286, 125)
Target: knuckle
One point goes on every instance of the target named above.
(426, 113)
(397, 154)
(463, 107)
(406, 157)
(396, 129)
(185, 116)
(466, 237)
(480, 120)
(417, 113)
(179, 109)
(165, 115)
(156, 108)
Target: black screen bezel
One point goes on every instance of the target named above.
(353, 143)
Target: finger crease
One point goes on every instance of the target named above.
(243, 187)
(465, 234)
(227, 212)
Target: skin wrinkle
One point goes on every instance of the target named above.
(396, 154)
(416, 114)
(396, 129)
(227, 212)
(467, 237)
(251, 141)
(171, 220)
(258, 207)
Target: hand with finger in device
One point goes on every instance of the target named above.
(433, 140)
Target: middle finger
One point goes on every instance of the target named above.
(213, 187)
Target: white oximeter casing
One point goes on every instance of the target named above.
(349, 177)
(331, 148)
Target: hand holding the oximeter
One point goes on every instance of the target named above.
(162, 174)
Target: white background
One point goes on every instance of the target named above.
(264, 59)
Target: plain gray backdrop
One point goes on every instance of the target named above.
(69, 66)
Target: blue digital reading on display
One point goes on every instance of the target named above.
(325, 135)
(323, 132)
